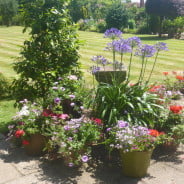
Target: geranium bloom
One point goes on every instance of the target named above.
(165, 73)
(176, 109)
(97, 121)
(179, 77)
(46, 112)
(153, 132)
(25, 142)
(63, 116)
(19, 133)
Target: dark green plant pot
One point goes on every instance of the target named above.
(135, 164)
(110, 76)
(36, 145)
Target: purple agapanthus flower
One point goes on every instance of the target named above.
(161, 46)
(113, 33)
(85, 158)
(57, 100)
(71, 164)
(100, 60)
(146, 50)
(55, 87)
(94, 69)
(72, 96)
(134, 41)
(123, 46)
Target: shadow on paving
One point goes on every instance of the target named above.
(102, 168)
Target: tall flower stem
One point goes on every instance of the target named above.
(130, 63)
(153, 67)
(140, 76)
(144, 69)
(114, 58)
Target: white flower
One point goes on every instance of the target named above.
(72, 77)
(24, 111)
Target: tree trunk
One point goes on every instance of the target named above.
(141, 3)
(160, 27)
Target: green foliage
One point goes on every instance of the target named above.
(51, 52)
(4, 86)
(117, 16)
(174, 28)
(130, 103)
(178, 133)
(8, 8)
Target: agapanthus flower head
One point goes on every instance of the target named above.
(94, 69)
(161, 46)
(123, 46)
(113, 33)
(122, 124)
(145, 50)
(72, 96)
(100, 60)
(70, 164)
(134, 41)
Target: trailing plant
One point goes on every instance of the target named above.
(51, 51)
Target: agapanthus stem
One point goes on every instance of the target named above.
(144, 69)
(153, 67)
(114, 59)
(130, 63)
(140, 76)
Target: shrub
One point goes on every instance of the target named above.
(51, 52)
(117, 16)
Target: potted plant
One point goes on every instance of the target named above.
(136, 144)
(72, 139)
(117, 71)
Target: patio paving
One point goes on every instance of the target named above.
(18, 168)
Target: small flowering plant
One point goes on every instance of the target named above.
(131, 138)
(73, 139)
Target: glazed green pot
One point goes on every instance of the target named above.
(110, 76)
(135, 164)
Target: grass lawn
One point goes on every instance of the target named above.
(12, 38)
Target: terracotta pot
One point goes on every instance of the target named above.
(135, 164)
(110, 76)
(36, 145)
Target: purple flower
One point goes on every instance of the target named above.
(134, 41)
(108, 129)
(123, 46)
(94, 69)
(85, 158)
(55, 83)
(70, 164)
(122, 124)
(66, 127)
(70, 138)
(81, 107)
(72, 96)
(72, 104)
(113, 33)
(55, 87)
(57, 100)
(146, 50)
(62, 88)
(100, 60)
(161, 46)
(60, 78)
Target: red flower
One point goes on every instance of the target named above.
(174, 73)
(179, 77)
(153, 132)
(46, 112)
(176, 109)
(155, 88)
(161, 133)
(19, 133)
(97, 121)
(165, 73)
(25, 142)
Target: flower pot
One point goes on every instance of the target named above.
(36, 145)
(135, 164)
(110, 76)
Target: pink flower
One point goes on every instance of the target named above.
(63, 116)
(85, 158)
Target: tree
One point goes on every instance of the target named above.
(165, 8)
(50, 53)
(8, 8)
(117, 16)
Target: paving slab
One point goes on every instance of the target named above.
(18, 168)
